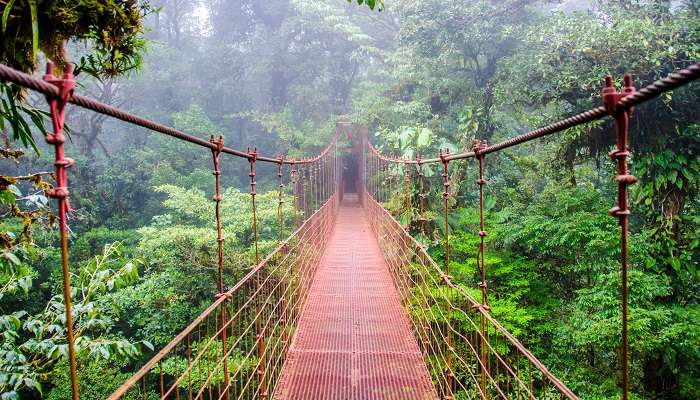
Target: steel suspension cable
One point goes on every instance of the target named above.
(618, 105)
(59, 92)
(649, 92)
(52, 91)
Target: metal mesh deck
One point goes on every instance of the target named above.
(353, 339)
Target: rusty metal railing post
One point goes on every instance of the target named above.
(328, 176)
(280, 197)
(446, 195)
(375, 177)
(388, 190)
(313, 185)
(374, 182)
(390, 181)
(216, 153)
(319, 182)
(260, 335)
(478, 147)
(57, 106)
(251, 161)
(394, 186)
(382, 181)
(372, 175)
(293, 173)
(421, 197)
(379, 172)
(481, 266)
(325, 178)
(303, 166)
(407, 187)
(611, 97)
(280, 222)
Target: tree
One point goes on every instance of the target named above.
(34, 345)
(113, 29)
(647, 39)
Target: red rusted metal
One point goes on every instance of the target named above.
(251, 161)
(672, 81)
(446, 196)
(399, 249)
(431, 302)
(200, 360)
(260, 300)
(353, 339)
(424, 289)
(303, 178)
(280, 198)
(263, 309)
(216, 153)
(406, 190)
(479, 146)
(421, 196)
(293, 179)
(611, 100)
(57, 106)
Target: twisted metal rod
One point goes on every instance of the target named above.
(23, 79)
(649, 92)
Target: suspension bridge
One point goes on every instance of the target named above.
(350, 305)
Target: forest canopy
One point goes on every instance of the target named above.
(420, 76)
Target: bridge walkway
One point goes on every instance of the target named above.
(353, 340)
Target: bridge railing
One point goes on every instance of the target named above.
(237, 345)
(467, 352)
(236, 348)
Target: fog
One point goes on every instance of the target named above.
(420, 78)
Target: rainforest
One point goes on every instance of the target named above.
(372, 134)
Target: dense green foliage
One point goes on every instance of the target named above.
(488, 70)
(421, 76)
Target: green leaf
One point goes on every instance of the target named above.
(148, 344)
(6, 14)
(11, 395)
(687, 174)
(405, 136)
(13, 258)
(15, 190)
(675, 264)
(6, 197)
(25, 283)
(672, 176)
(32, 384)
(424, 137)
